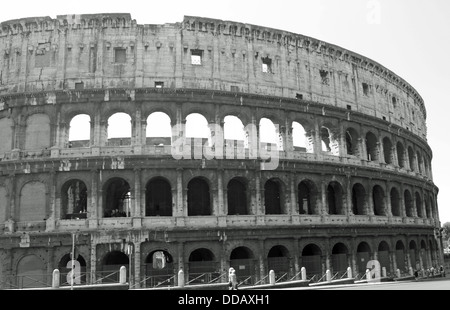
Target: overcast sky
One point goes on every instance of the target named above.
(409, 37)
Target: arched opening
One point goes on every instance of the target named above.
(401, 155)
(233, 129)
(351, 140)
(415, 262)
(423, 255)
(408, 204)
(419, 162)
(411, 159)
(299, 138)
(387, 149)
(117, 198)
(198, 197)
(33, 202)
(158, 198)
(358, 199)
(119, 129)
(110, 270)
(273, 197)
(378, 200)
(334, 198)
(243, 261)
(202, 266)
(278, 261)
(312, 260)
(159, 130)
(37, 132)
(325, 137)
(307, 196)
(65, 267)
(395, 202)
(269, 134)
(74, 200)
(159, 269)
(237, 197)
(362, 257)
(198, 133)
(339, 258)
(372, 147)
(80, 131)
(427, 208)
(235, 138)
(400, 257)
(31, 272)
(383, 256)
(419, 205)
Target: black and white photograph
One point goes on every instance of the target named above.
(224, 153)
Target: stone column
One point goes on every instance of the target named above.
(180, 259)
(293, 195)
(179, 207)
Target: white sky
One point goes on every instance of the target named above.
(410, 37)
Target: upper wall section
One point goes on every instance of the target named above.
(98, 51)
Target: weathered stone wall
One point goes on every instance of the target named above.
(79, 51)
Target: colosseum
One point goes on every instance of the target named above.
(202, 145)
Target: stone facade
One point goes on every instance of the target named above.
(359, 189)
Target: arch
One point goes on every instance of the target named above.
(65, 270)
(400, 155)
(312, 260)
(233, 128)
(334, 198)
(299, 138)
(202, 265)
(387, 149)
(363, 254)
(31, 272)
(415, 262)
(378, 200)
(119, 129)
(419, 205)
(307, 197)
(351, 140)
(427, 208)
(80, 130)
(242, 260)
(6, 138)
(198, 199)
(400, 256)
(411, 159)
(158, 197)
(383, 256)
(273, 196)
(74, 196)
(325, 137)
(117, 198)
(269, 133)
(372, 147)
(111, 264)
(408, 204)
(395, 202)
(237, 197)
(278, 260)
(33, 202)
(197, 126)
(37, 133)
(339, 258)
(159, 268)
(358, 199)
(158, 130)
(419, 161)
